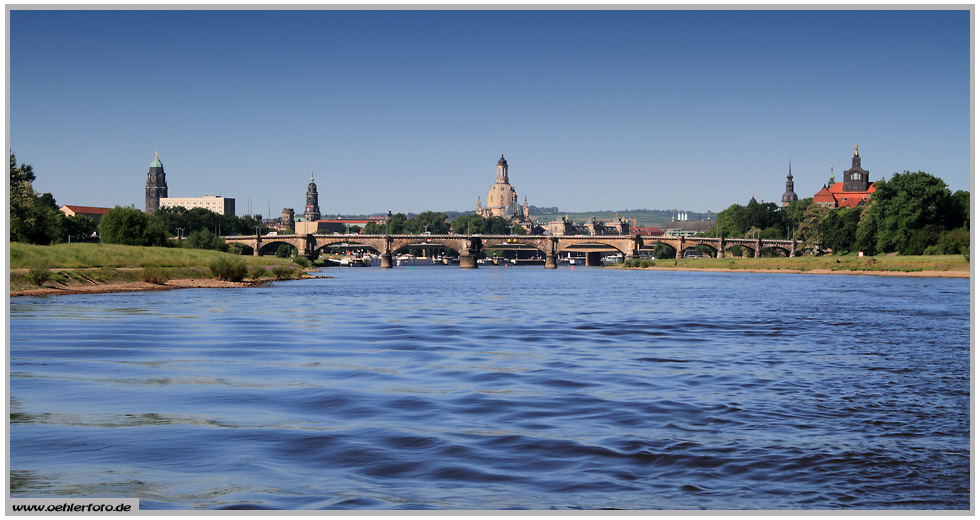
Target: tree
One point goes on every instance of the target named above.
(838, 229)
(130, 226)
(732, 222)
(662, 251)
(433, 222)
(34, 218)
(809, 229)
(468, 224)
(793, 213)
(79, 226)
(196, 219)
(205, 239)
(910, 211)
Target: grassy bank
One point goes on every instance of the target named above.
(112, 255)
(77, 265)
(852, 262)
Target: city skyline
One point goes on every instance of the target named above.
(409, 110)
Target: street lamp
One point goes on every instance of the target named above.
(388, 224)
(257, 228)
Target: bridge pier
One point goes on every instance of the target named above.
(386, 260)
(551, 261)
(467, 261)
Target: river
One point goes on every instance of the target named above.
(500, 388)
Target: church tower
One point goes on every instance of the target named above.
(790, 196)
(502, 170)
(312, 212)
(156, 184)
(856, 179)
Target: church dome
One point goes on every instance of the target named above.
(156, 161)
(502, 160)
(512, 210)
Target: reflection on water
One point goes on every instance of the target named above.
(499, 388)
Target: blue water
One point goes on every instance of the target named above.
(500, 388)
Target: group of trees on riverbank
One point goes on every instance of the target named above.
(437, 223)
(36, 219)
(912, 213)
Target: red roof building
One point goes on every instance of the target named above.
(88, 211)
(855, 190)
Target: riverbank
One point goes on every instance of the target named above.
(103, 268)
(926, 274)
(938, 266)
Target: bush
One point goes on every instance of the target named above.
(257, 273)
(636, 262)
(225, 269)
(205, 239)
(238, 249)
(39, 272)
(155, 275)
(952, 242)
(302, 262)
(282, 272)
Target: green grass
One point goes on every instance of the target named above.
(76, 256)
(89, 264)
(833, 263)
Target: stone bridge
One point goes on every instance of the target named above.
(469, 246)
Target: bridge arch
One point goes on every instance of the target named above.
(323, 243)
(269, 247)
(569, 246)
(539, 243)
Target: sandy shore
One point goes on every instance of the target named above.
(189, 283)
(134, 287)
(916, 274)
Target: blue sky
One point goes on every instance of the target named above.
(409, 110)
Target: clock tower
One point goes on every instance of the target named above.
(156, 185)
(312, 212)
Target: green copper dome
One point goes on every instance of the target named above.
(156, 161)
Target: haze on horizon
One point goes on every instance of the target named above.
(409, 110)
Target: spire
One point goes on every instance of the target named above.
(311, 174)
(790, 176)
(855, 150)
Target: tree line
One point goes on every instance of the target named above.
(37, 219)
(437, 223)
(913, 213)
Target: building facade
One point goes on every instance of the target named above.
(156, 185)
(854, 190)
(213, 203)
